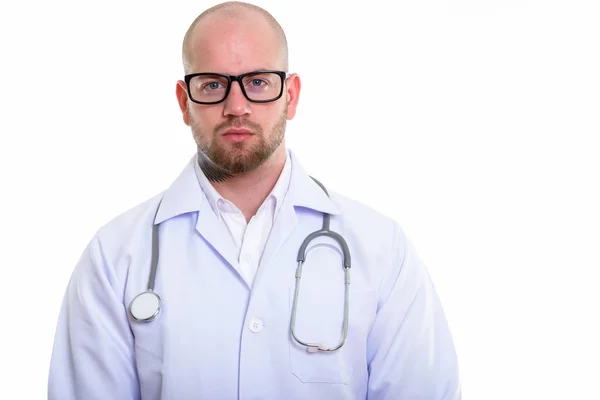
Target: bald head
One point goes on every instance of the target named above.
(234, 13)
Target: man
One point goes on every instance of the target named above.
(230, 313)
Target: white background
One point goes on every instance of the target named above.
(474, 123)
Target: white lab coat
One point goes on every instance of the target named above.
(215, 338)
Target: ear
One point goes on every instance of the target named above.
(293, 86)
(182, 98)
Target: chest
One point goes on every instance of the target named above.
(213, 324)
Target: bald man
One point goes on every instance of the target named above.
(247, 278)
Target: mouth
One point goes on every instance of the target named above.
(237, 135)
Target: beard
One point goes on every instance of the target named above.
(236, 158)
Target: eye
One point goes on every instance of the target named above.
(257, 82)
(213, 85)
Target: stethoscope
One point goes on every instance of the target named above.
(145, 307)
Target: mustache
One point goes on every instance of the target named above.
(238, 123)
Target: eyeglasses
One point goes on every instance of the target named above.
(257, 86)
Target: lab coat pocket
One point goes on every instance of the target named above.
(320, 318)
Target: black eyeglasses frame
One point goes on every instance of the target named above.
(236, 78)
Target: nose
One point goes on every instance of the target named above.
(236, 104)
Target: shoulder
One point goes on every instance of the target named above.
(140, 214)
(131, 227)
(358, 215)
(121, 241)
(358, 211)
(370, 227)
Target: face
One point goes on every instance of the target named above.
(234, 47)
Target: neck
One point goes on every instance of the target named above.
(250, 189)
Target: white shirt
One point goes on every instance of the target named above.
(250, 238)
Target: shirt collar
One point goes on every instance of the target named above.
(185, 194)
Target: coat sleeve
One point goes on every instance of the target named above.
(411, 353)
(93, 354)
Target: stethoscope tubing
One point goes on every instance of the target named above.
(325, 231)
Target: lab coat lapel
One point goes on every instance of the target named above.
(302, 192)
(186, 196)
(283, 226)
(216, 235)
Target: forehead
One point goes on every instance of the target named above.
(234, 45)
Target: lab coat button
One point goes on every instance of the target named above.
(256, 325)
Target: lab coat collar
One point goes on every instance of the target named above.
(305, 192)
(185, 193)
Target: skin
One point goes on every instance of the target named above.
(234, 44)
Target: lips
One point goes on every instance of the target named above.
(237, 135)
(238, 131)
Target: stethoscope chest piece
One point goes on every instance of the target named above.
(145, 306)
